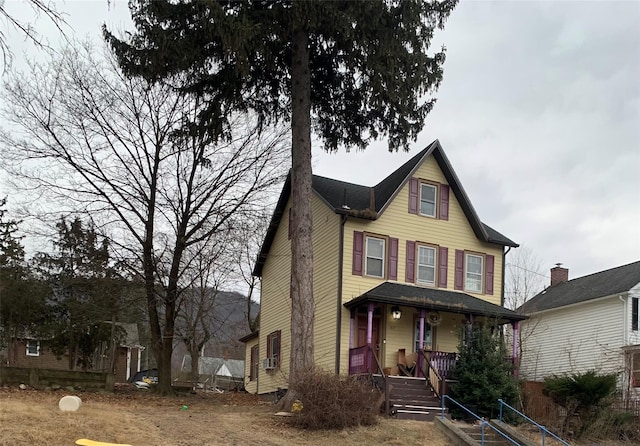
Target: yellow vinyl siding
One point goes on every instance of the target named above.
(250, 386)
(326, 233)
(275, 307)
(454, 234)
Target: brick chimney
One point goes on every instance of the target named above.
(559, 274)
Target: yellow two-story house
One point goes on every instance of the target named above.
(402, 267)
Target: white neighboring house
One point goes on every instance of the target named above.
(588, 323)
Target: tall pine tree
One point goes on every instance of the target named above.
(351, 71)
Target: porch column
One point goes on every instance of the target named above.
(352, 327)
(369, 337)
(514, 352)
(423, 314)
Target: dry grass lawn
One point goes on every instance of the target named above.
(31, 417)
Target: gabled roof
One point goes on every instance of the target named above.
(602, 284)
(356, 200)
(433, 299)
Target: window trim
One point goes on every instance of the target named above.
(468, 254)
(37, 353)
(365, 257)
(435, 264)
(436, 188)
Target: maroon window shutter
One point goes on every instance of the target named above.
(410, 270)
(358, 252)
(393, 258)
(459, 274)
(290, 223)
(413, 195)
(443, 260)
(488, 274)
(444, 202)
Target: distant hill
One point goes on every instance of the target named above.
(230, 314)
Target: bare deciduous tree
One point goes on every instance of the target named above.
(523, 277)
(88, 139)
(27, 29)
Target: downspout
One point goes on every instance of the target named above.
(343, 220)
(504, 261)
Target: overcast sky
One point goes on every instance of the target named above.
(539, 114)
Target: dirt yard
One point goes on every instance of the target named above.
(30, 417)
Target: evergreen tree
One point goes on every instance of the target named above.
(352, 71)
(86, 293)
(483, 373)
(22, 297)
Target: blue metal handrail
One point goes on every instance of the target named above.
(543, 430)
(483, 422)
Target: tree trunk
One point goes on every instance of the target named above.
(302, 302)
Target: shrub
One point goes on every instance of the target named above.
(330, 401)
(588, 395)
(483, 374)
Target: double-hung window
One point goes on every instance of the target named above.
(428, 196)
(33, 348)
(375, 254)
(473, 273)
(273, 347)
(426, 265)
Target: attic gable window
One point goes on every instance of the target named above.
(375, 254)
(33, 348)
(429, 199)
(428, 195)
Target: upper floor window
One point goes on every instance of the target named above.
(375, 254)
(426, 265)
(428, 195)
(473, 273)
(33, 348)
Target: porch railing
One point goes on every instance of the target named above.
(443, 362)
(363, 360)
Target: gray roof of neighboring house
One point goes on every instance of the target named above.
(432, 299)
(601, 284)
(355, 200)
(210, 365)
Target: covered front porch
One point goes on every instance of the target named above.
(406, 330)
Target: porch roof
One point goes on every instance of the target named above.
(433, 299)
